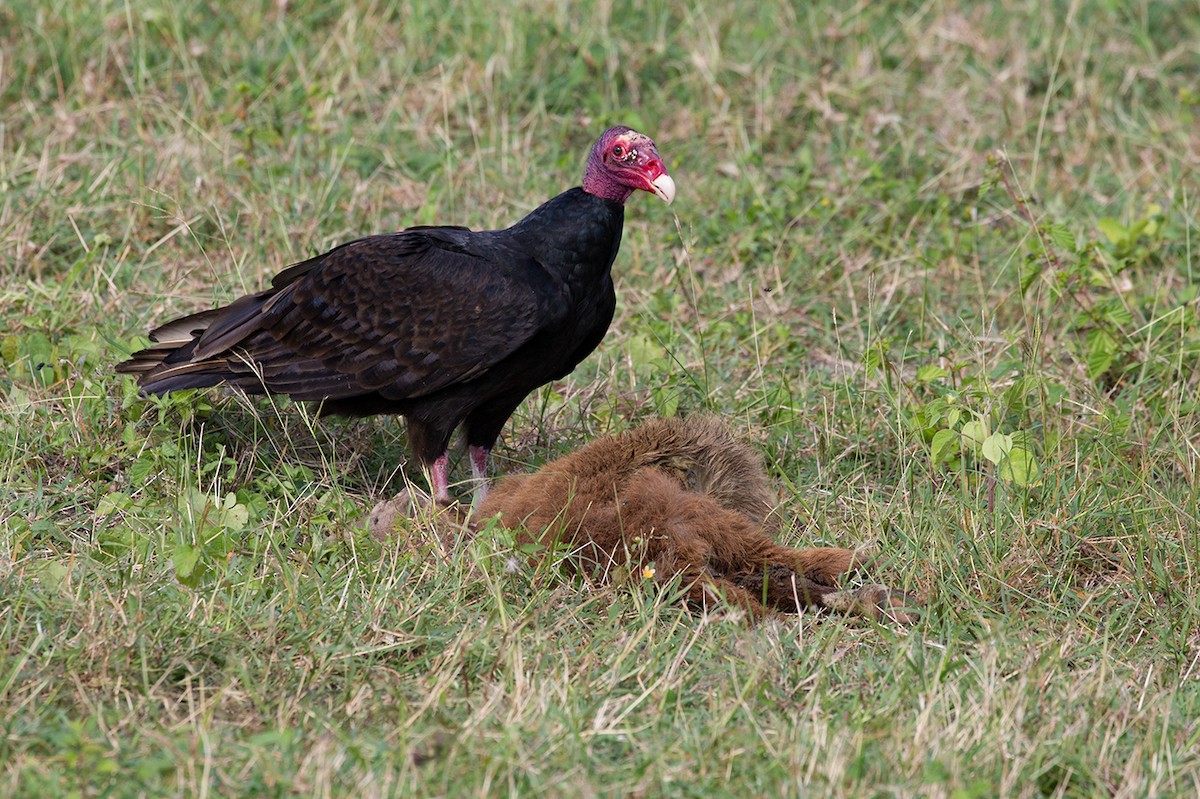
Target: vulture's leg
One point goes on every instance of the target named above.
(483, 426)
(439, 479)
(479, 472)
(430, 442)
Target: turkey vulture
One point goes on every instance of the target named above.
(443, 325)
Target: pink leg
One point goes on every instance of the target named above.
(439, 478)
(479, 464)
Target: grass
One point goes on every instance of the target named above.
(937, 260)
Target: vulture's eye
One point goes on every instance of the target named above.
(618, 150)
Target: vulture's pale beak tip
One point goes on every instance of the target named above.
(664, 187)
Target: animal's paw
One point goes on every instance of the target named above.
(876, 602)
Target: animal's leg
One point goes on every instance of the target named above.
(821, 564)
(785, 590)
(702, 590)
(875, 601)
(782, 588)
(705, 591)
(431, 444)
(479, 472)
(794, 579)
(760, 571)
(482, 428)
(690, 535)
(439, 478)
(740, 545)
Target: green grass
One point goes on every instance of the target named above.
(937, 260)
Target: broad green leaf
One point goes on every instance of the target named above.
(1061, 236)
(1118, 314)
(1021, 439)
(667, 402)
(1020, 468)
(930, 372)
(944, 446)
(1153, 212)
(646, 355)
(1102, 351)
(1015, 395)
(995, 446)
(51, 572)
(113, 502)
(934, 411)
(1136, 229)
(10, 348)
(40, 356)
(141, 471)
(233, 514)
(876, 355)
(112, 543)
(1030, 272)
(1114, 231)
(185, 559)
(973, 433)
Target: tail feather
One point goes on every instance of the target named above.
(198, 375)
(170, 366)
(144, 361)
(175, 361)
(238, 321)
(185, 329)
(165, 367)
(229, 346)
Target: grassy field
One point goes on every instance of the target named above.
(937, 260)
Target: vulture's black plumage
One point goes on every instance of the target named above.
(444, 325)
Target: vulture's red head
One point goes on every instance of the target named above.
(622, 161)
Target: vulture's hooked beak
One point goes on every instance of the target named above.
(664, 187)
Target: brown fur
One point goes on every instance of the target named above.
(689, 498)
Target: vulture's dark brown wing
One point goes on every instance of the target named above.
(402, 315)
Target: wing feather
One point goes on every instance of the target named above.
(403, 315)
(413, 313)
